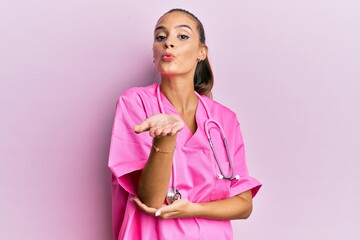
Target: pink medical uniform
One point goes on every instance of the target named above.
(196, 168)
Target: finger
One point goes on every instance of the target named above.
(176, 128)
(138, 202)
(166, 131)
(158, 131)
(166, 209)
(143, 207)
(152, 132)
(168, 215)
(144, 126)
(173, 131)
(181, 125)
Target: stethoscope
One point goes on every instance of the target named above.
(173, 193)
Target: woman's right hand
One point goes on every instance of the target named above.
(160, 125)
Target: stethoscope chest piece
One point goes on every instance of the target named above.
(172, 195)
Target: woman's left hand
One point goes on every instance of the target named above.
(181, 208)
(143, 207)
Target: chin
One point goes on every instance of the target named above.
(166, 71)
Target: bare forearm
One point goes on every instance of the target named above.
(154, 178)
(237, 207)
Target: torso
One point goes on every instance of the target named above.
(196, 170)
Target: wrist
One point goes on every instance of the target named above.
(165, 144)
(195, 209)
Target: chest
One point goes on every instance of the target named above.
(190, 121)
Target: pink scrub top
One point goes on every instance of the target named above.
(196, 168)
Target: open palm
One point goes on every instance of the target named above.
(160, 125)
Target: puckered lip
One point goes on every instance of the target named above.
(167, 57)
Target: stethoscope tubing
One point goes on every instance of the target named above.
(208, 135)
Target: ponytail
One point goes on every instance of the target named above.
(203, 78)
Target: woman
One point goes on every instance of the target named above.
(167, 181)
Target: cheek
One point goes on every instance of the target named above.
(156, 52)
(190, 52)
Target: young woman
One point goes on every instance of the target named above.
(168, 182)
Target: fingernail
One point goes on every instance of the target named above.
(157, 213)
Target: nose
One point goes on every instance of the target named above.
(168, 43)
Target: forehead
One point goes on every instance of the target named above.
(174, 19)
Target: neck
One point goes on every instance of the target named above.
(180, 92)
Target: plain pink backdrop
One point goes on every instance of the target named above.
(289, 69)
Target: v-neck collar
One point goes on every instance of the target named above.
(187, 135)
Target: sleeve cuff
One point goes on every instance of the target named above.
(121, 174)
(244, 184)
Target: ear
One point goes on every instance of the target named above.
(203, 51)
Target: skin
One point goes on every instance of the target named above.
(176, 33)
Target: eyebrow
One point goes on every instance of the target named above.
(178, 26)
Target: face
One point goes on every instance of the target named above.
(177, 48)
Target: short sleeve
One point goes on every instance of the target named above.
(246, 182)
(128, 151)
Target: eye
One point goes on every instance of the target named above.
(183, 37)
(160, 38)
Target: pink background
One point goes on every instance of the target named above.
(290, 69)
